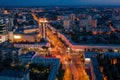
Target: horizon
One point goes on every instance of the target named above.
(59, 3)
(26, 6)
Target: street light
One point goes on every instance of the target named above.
(68, 48)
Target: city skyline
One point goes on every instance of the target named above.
(59, 42)
(57, 2)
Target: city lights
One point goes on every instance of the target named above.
(63, 42)
(87, 59)
(17, 37)
(115, 50)
(43, 20)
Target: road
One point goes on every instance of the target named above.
(74, 68)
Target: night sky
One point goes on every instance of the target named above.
(57, 2)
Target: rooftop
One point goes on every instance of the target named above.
(12, 73)
(29, 54)
(96, 69)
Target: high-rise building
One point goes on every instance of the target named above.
(88, 23)
(72, 18)
(84, 23)
(3, 32)
(9, 23)
(94, 23)
(66, 24)
(42, 26)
